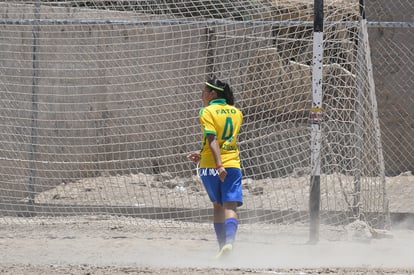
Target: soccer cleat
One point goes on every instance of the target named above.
(224, 251)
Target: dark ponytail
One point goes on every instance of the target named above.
(223, 90)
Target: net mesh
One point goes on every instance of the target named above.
(99, 106)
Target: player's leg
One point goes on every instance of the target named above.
(212, 185)
(232, 198)
(231, 221)
(219, 226)
(230, 225)
(231, 190)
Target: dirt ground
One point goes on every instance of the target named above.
(120, 245)
(97, 245)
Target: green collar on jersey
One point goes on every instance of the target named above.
(217, 101)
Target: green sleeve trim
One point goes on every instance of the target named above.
(209, 132)
(201, 111)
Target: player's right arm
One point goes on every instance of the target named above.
(194, 156)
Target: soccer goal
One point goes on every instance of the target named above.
(99, 105)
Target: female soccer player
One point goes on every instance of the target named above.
(219, 160)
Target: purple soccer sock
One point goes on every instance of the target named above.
(231, 225)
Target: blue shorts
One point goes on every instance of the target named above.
(228, 191)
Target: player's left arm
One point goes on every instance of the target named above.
(215, 150)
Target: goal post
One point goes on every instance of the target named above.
(316, 120)
(99, 103)
(365, 80)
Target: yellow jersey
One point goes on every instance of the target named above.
(223, 121)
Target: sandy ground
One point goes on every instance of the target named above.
(79, 245)
(119, 245)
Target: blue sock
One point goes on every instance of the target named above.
(231, 229)
(220, 233)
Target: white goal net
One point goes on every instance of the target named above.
(99, 106)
